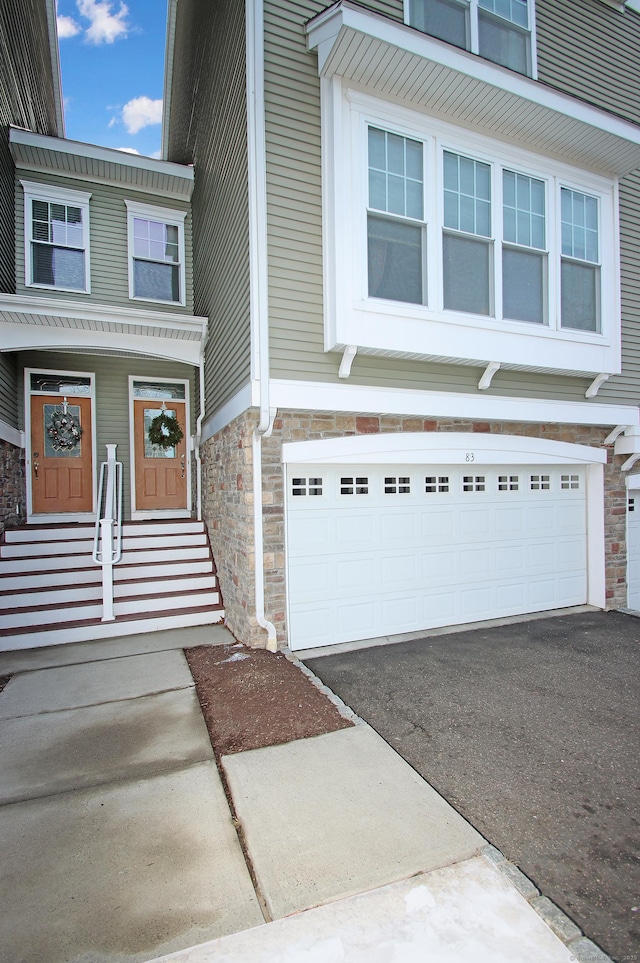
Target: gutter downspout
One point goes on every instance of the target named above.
(199, 421)
(256, 151)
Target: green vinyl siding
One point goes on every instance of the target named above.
(108, 244)
(210, 131)
(292, 95)
(8, 389)
(112, 396)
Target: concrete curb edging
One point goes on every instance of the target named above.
(583, 949)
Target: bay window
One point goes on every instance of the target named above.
(524, 259)
(467, 253)
(499, 30)
(580, 274)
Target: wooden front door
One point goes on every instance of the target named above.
(61, 459)
(161, 474)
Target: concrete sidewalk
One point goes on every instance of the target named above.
(117, 842)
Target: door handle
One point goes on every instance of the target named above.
(182, 466)
(36, 465)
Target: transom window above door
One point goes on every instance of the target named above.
(56, 223)
(156, 253)
(499, 30)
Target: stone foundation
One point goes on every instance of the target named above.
(228, 501)
(12, 486)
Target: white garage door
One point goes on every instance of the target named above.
(633, 550)
(375, 551)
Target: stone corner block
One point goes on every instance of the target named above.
(587, 952)
(564, 928)
(493, 854)
(522, 883)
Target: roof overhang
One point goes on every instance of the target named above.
(28, 323)
(172, 12)
(402, 64)
(54, 53)
(37, 152)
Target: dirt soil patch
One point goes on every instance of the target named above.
(252, 698)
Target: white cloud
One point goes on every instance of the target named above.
(107, 24)
(128, 150)
(141, 112)
(67, 27)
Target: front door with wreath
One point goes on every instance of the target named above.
(160, 455)
(61, 455)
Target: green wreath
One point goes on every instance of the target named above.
(164, 431)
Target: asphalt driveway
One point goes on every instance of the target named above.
(531, 731)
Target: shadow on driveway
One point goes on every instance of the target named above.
(531, 731)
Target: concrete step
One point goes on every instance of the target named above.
(18, 639)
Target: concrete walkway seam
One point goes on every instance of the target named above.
(583, 949)
(345, 711)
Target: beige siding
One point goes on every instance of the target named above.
(112, 395)
(108, 243)
(295, 223)
(210, 131)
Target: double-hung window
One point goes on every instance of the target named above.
(499, 30)
(156, 253)
(56, 237)
(395, 230)
(499, 241)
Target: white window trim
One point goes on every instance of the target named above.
(62, 195)
(395, 328)
(166, 215)
(473, 33)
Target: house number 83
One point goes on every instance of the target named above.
(469, 456)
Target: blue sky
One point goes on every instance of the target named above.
(112, 57)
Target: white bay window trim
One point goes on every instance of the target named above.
(167, 217)
(52, 194)
(428, 331)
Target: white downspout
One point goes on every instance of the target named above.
(199, 421)
(256, 149)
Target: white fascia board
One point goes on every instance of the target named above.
(323, 30)
(440, 448)
(13, 435)
(190, 324)
(26, 337)
(632, 481)
(319, 396)
(241, 402)
(107, 155)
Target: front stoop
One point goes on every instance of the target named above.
(51, 590)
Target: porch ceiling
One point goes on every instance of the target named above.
(401, 63)
(28, 322)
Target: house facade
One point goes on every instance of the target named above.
(416, 238)
(98, 339)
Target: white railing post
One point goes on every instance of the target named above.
(108, 536)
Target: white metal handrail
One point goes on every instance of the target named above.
(107, 539)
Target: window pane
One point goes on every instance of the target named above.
(503, 44)
(579, 225)
(444, 19)
(580, 296)
(513, 10)
(467, 273)
(522, 196)
(395, 260)
(523, 285)
(58, 267)
(395, 174)
(467, 195)
(158, 281)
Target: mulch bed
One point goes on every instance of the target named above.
(3, 681)
(252, 698)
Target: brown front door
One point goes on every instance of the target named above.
(161, 474)
(61, 455)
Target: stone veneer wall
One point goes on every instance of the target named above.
(12, 485)
(228, 500)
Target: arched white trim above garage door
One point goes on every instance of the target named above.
(440, 448)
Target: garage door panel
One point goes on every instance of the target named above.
(515, 541)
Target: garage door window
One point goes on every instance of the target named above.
(439, 483)
(540, 483)
(306, 486)
(354, 486)
(397, 485)
(473, 483)
(507, 483)
(569, 482)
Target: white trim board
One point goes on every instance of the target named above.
(236, 406)
(321, 396)
(12, 435)
(440, 448)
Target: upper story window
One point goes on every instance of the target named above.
(500, 30)
(156, 253)
(56, 237)
(492, 265)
